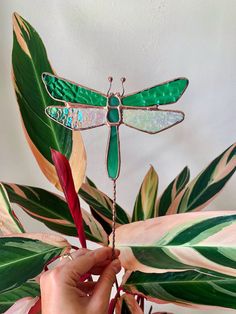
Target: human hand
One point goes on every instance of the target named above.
(62, 292)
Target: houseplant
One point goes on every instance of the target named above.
(155, 264)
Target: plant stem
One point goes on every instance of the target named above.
(142, 303)
(117, 288)
(114, 300)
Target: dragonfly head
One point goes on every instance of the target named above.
(110, 80)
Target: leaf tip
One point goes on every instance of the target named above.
(15, 16)
(21, 31)
(186, 169)
(151, 168)
(16, 20)
(55, 155)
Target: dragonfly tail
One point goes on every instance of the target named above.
(113, 153)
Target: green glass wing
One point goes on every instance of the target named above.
(151, 121)
(77, 117)
(63, 90)
(163, 94)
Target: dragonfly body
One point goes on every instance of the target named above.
(86, 108)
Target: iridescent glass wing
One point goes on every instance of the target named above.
(151, 121)
(163, 94)
(64, 90)
(77, 118)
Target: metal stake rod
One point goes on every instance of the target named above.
(113, 219)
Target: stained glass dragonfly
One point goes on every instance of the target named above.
(86, 108)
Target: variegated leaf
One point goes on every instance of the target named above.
(204, 240)
(199, 192)
(23, 259)
(90, 182)
(188, 288)
(171, 192)
(144, 206)
(52, 210)
(102, 205)
(9, 223)
(106, 225)
(52, 239)
(127, 304)
(93, 229)
(28, 290)
(29, 61)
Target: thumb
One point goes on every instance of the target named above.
(104, 285)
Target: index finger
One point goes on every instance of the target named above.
(83, 264)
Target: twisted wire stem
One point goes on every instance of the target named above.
(114, 219)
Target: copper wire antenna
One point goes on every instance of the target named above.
(110, 80)
(123, 79)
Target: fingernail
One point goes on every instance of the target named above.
(116, 265)
(117, 252)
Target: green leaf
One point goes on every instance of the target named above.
(102, 205)
(52, 210)
(188, 287)
(28, 289)
(9, 223)
(201, 191)
(171, 192)
(144, 206)
(29, 61)
(23, 259)
(204, 241)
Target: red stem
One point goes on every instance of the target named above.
(51, 261)
(75, 247)
(112, 306)
(113, 301)
(36, 309)
(117, 288)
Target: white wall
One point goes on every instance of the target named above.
(148, 42)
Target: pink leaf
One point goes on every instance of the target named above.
(9, 223)
(23, 306)
(66, 180)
